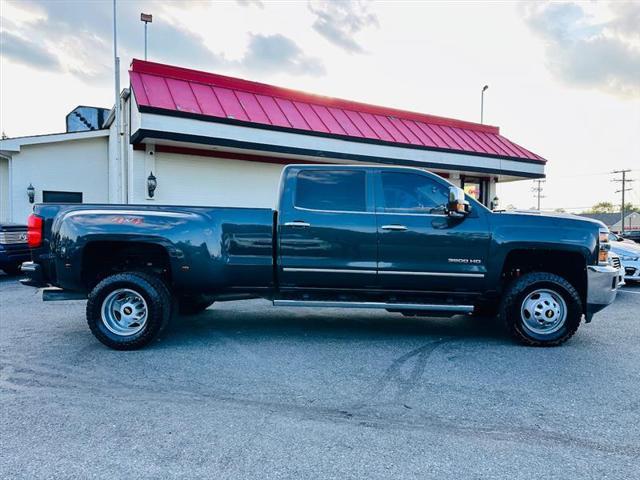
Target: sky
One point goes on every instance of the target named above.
(563, 77)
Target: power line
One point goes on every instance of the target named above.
(581, 175)
(537, 190)
(624, 180)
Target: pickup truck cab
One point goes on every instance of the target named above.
(400, 239)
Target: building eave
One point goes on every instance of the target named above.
(13, 145)
(158, 128)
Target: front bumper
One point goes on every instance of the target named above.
(602, 288)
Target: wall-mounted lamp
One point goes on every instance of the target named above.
(495, 203)
(31, 193)
(152, 184)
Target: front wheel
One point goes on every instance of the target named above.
(541, 309)
(126, 311)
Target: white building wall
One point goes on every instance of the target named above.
(197, 180)
(70, 166)
(113, 167)
(139, 171)
(4, 189)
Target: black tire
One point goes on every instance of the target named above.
(517, 292)
(158, 303)
(12, 269)
(192, 305)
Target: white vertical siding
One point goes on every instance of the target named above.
(4, 189)
(71, 166)
(196, 180)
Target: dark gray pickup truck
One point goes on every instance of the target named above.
(394, 238)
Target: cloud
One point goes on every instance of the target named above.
(27, 52)
(276, 53)
(339, 22)
(581, 51)
(76, 38)
(627, 19)
(250, 3)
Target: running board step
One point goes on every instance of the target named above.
(383, 305)
(52, 294)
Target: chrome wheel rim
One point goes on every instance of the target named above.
(124, 312)
(543, 311)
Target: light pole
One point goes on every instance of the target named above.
(116, 71)
(146, 18)
(482, 103)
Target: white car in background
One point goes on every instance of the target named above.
(617, 238)
(629, 254)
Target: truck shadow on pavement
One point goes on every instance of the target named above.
(271, 323)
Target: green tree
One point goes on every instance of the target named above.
(602, 207)
(630, 207)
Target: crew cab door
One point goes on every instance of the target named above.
(420, 248)
(327, 229)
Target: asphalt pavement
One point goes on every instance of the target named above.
(246, 390)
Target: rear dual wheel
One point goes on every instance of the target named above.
(126, 311)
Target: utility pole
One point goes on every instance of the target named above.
(624, 180)
(537, 190)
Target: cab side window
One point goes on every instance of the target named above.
(334, 190)
(412, 193)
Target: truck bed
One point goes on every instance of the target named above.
(208, 248)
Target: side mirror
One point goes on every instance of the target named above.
(457, 205)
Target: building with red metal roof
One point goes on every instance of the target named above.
(212, 139)
(178, 91)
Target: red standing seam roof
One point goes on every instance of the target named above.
(174, 89)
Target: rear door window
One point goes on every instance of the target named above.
(334, 190)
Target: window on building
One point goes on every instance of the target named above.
(338, 190)
(475, 187)
(409, 192)
(49, 196)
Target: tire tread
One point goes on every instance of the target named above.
(161, 297)
(512, 294)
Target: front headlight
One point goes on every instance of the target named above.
(603, 246)
(629, 258)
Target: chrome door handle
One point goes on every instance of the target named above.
(397, 228)
(297, 223)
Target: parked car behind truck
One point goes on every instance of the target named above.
(393, 238)
(629, 254)
(13, 247)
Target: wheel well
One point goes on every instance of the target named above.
(569, 265)
(101, 259)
